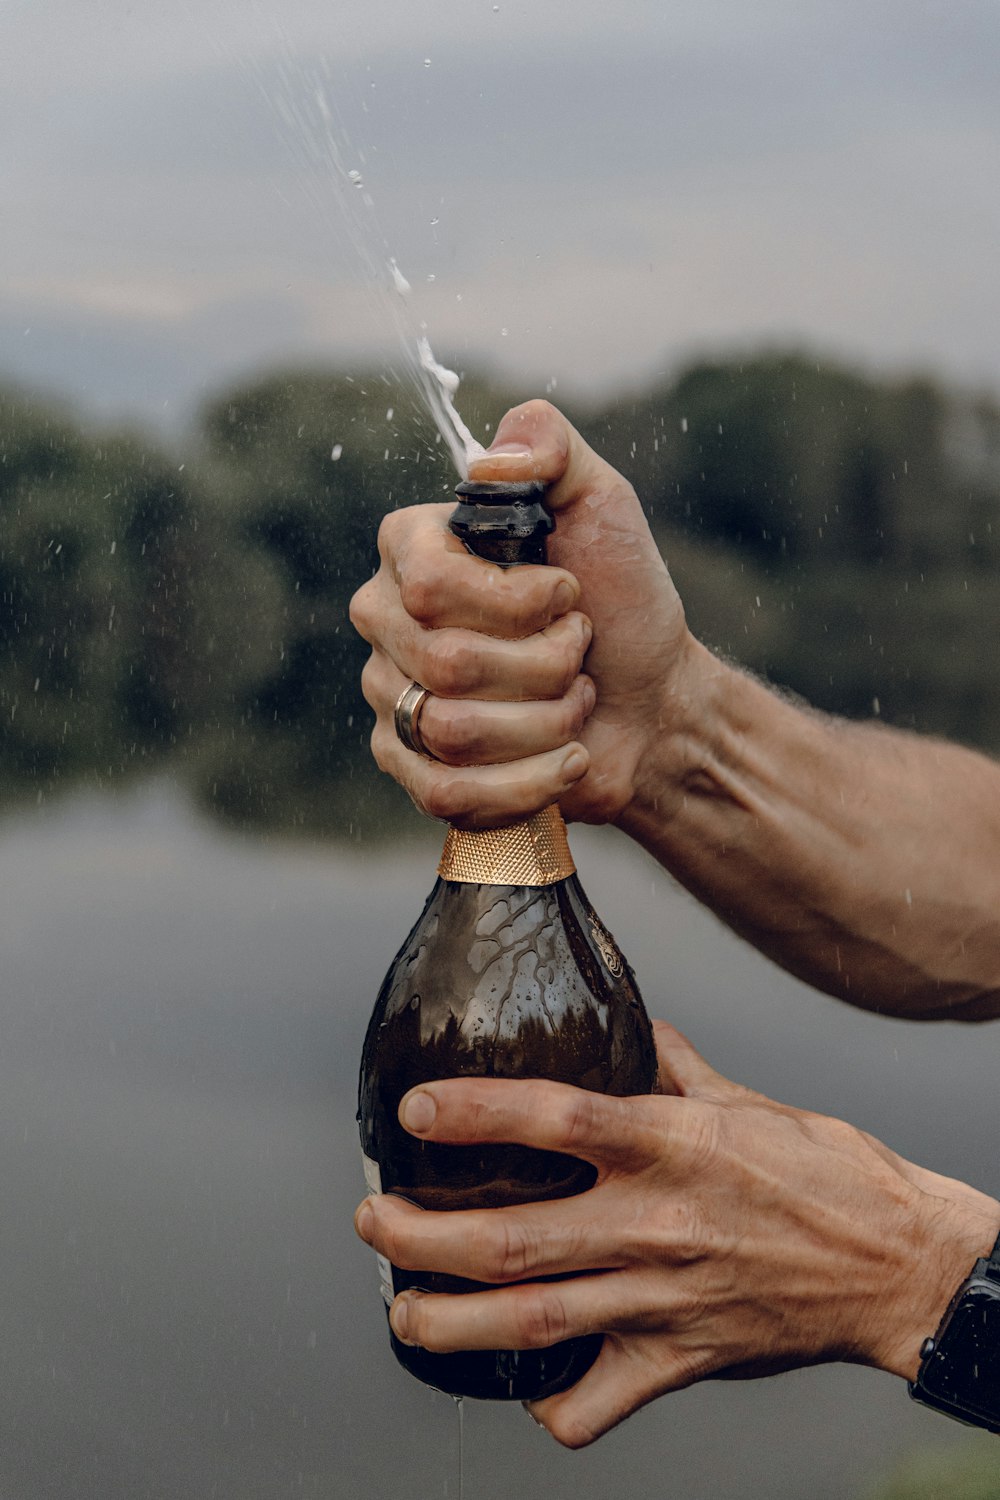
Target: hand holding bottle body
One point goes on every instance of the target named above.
(547, 684)
(726, 1235)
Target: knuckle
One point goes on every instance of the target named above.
(506, 1252)
(578, 1119)
(540, 1320)
(361, 610)
(390, 532)
(452, 731)
(421, 598)
(442, 797)
(452, 666)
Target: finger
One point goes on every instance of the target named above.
(533, 1316)
(473, 732)
(464, 664)
(598, 1128)
(441, 584)
(498, 1245)
(628, 1373)
(535, 441)
(480, 796)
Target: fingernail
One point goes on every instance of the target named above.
(574, 765)
(417, 1112)
(527, 1407)
(364, 1222)
(399, 1317)
(589, 696)
(564, 597)
(508, 450)
(588, 633)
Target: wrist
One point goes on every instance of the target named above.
(949, 1232)
(681, 753)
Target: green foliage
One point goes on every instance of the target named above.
(832, 532)
(968, 1471)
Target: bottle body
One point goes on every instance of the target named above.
(501, 981)
(508, 973)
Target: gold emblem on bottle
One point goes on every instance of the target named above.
(613, 961)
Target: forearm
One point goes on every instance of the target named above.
(864, 860)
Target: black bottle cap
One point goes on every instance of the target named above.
(496, 492)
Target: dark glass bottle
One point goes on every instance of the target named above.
(508, 973)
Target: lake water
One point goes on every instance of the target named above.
(185, 1310)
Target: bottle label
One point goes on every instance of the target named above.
(373, 1177)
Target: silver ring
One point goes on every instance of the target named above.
(406, 715)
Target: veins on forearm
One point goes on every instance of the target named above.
(862, 859)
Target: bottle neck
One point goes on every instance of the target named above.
(535, 852)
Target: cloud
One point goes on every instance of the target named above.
(609, 190)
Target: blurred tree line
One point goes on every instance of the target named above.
(838, 534)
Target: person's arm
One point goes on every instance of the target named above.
(726, 1236)
(865, 860)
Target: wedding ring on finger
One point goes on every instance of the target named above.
(406, 717)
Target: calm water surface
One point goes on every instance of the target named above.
(185, 1311)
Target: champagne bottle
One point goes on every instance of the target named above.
(508, 973)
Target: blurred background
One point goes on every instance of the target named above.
(750, 252)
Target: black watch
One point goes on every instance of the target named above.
(960, 1366)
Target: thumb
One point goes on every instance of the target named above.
(684, 1071)
(535, 441)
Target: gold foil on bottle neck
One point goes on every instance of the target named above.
(535, 852)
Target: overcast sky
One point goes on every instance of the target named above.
(597, 191)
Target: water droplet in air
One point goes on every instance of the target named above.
(399, 281)
(390, 414)
(427, 62)
(432, 277)
(356, 179)
(503, 333)
(336, 451)
(684, 424)
(435, 221)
